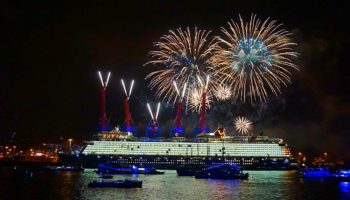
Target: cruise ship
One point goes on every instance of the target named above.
(121, 147)
(248, 151)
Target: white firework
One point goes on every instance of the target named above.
(195, 99)
(254, 57)
(222, 92)
(243, 125)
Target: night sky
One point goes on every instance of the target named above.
(51, 51)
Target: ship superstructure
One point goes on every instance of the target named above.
(251, 152)
(261, 146)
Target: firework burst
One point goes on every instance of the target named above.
(243, 125)
(183, 56)
(195, 99)
(222, 92)
(254, 57)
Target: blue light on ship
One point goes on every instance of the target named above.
(177, 132)
(344, 187)
(344, 173)
(130, 129)
(198, 130)
(153, 130)
(317, 173)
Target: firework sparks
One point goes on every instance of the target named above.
(195, 99)
(243, 125)
(183, 56)
(254, 57)
(222, 92)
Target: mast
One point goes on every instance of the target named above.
(103, 117)
(179, 131)
(202, 113)
(127, 115)
(202, 119)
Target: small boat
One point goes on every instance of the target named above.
(316, 173)
(109, 169)
(228, 171)
(106, 176)
(188, 170)
(28, 174)
(341, 175)
(127, 183)
(71, 168)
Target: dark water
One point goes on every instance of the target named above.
(261, 185)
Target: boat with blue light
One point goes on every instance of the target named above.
(188, 170)
(111, 169)
(228, 171)
(341, 175)
(127, 183)
(316, 173)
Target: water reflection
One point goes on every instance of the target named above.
(260, 185)
(221, 189)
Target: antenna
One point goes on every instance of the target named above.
(157, 110)
(199, 80)
(124, 87)
(132, 85)
(150, 111)
(206, 84)
(178, 92)
(100, 75)
(183, 91)
(104, 84)
(177, 89)
(109, 74)
(130, 90)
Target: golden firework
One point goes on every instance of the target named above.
(183, 57)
